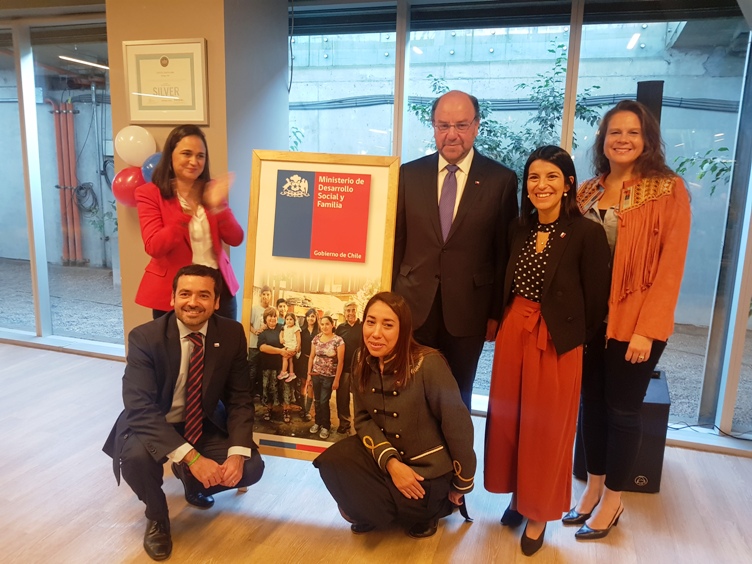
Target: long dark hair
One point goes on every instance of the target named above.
(560, 159)
(163, 173)
(652, 161)
(316, 328)
(407, 352)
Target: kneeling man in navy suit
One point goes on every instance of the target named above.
(187, 399)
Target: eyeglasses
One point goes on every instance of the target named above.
(461, 127)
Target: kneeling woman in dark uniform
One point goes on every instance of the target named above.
(412, 456)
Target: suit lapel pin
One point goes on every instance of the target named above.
(216, 345)
(477, 182)
(563, 235)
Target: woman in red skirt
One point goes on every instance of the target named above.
(556, 291)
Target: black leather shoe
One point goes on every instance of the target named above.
(574, 518)
(423, 530)
(586, 533)
(531, 546)
(511, 518)
(197, 499)
(342, 430)
(157, 539)
(357, 528)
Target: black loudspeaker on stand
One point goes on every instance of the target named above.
(646, 474)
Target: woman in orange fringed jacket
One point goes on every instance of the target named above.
(644, 208)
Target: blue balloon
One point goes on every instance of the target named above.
(149, 164)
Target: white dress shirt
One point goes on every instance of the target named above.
(177, 410)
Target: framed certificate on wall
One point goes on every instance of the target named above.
(166, 81)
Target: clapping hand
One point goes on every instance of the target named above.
(217, 191)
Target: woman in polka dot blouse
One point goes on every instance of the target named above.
(556, 292)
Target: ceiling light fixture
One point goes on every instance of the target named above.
(82, 62)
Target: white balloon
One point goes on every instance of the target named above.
(134, 144)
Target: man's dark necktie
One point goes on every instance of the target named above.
(448, 197)
(193, 411)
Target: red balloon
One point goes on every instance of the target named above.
(125, 183)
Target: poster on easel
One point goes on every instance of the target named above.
(320, 236)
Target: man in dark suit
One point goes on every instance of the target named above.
(450, 248)
(187, 399)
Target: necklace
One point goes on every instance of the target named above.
(543, 232)
(541, 240)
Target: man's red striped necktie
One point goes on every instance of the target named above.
(193, 411)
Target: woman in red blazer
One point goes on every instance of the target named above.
(185, 218)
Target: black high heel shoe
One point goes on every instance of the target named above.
(511, 518)
(588, 533)
(575, 518)
(531, 546)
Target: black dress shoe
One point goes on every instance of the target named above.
(511, 518)
(361, 528)
(157, 539)
(574, 518)
(197, 499)
(357, 528)
(531, 546)
(345, 516)
(423, 530)
(587, 533)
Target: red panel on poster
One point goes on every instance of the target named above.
(340, 216)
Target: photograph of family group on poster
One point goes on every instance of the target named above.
(320, 244)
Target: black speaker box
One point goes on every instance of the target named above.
(646, 474)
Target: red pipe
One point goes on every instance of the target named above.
(60, 180)
(74, 182)
(67, 184)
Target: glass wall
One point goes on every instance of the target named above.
(701, 65)
(742, 422)
(75, 143)
(518, 73)
(16, 300)
(342, 93)
(77, 232)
